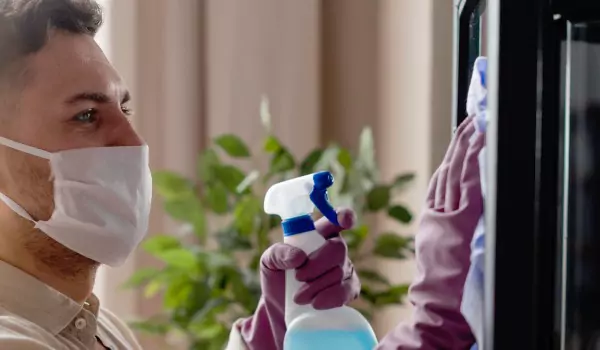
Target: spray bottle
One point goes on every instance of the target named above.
(308, 328)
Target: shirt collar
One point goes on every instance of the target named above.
(25, 296)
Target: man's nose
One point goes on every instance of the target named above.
(125, 135)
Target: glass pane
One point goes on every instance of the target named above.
(475, 37)
(469, 36)
(581, 187)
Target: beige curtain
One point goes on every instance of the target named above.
(197, 68)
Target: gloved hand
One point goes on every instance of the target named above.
(453, 207)
(330, 282)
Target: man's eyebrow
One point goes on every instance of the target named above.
(97, 97)
(126, 97)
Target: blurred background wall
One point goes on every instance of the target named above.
(197, 68)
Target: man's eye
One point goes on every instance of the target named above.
(126, 110)
(88, 116)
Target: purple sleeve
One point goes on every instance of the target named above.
(436, 293)
(454, 206)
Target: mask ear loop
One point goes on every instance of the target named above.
(25, 148)
(16, 208)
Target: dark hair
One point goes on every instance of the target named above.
(26, 24)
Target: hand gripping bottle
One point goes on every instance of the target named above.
(308, 328)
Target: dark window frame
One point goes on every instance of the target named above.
(525, 169)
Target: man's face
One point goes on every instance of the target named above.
(72, 98)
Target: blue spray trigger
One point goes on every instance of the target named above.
(322, 181)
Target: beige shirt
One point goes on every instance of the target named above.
(34, 316)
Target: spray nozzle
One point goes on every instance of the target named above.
(299, 196)
(323, 180)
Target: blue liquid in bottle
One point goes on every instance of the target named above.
(303, 339)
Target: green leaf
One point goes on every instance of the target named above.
(252, 282)
(141, 277)
(233, 146)
(216, 196)
(366, 153)
(394, 295)
(184, 208)
(403, 179)
(378, 198)
(272, 144)
(274, 221)
(220, 341)
(246, 214)
(307, 166)
(188, 209)
(216, 261)
(373, 276)
(171, 185)
(160, 243)
(230, 240)
(178, 291)
(207, 309)
(282, 161)
(180, 258)
(207, 162)
(209, 331)
(345, 159)
(400, 213)
(391, 245)
(367, 294)
(202, 292)
(241, 292)
(356, 236)
(230, 176)
(255, 261)
(152, 288)
(199, 224)
(150, 327)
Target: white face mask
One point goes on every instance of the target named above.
(102, 199)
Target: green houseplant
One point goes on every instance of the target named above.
(210, 276)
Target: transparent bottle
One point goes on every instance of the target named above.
(307, 328)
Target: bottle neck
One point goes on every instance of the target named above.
(297, 225)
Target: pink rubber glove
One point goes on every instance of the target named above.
(453, 207)
(330, 282)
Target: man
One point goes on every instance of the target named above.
(75, 192)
